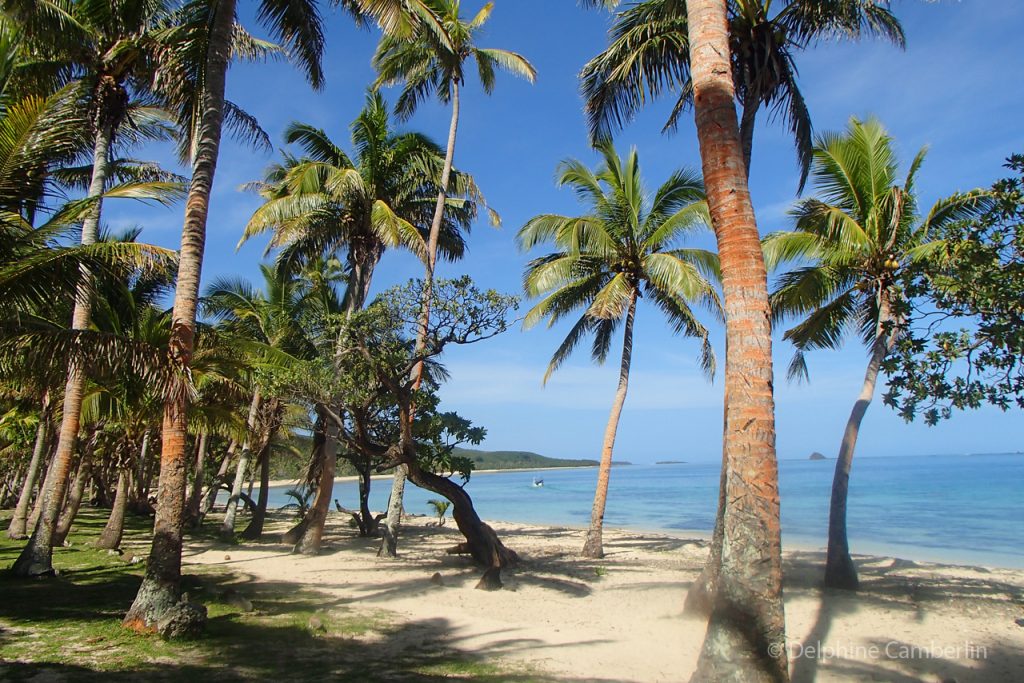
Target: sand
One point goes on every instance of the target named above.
(620, 618)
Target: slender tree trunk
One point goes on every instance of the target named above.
(18, 528)
(701, 595)
(140, 471)
(160, 590)
(227, 529)
(254, 530)
(367, 527)
(747, 123)
(389, 544)
(316, 517)
(593, 547)
(214, 488)
(37, 557)
(840, 571)
(196, 499)
(77, 491)
(393, 522)
(746, 634)
(110, 538)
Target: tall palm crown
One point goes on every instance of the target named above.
(856, 239)
(625, 247)
(434, 61)
(327, 201)
(649, 55)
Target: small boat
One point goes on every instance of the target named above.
(537, 482)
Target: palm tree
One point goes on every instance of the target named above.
(327, 202)
(106, 46)
(649, 55)
(855, 242)
(433, 62)
(746, 633)
(625, 247)
(265, 325)
(297, 24)
(430, 58)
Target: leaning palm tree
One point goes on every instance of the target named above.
(853, 243)
(746, 636)
(430, 58)
(649, 55)
(199, 96)
(623, 248)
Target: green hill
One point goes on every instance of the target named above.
(518, 460)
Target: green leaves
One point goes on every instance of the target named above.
(624, 243)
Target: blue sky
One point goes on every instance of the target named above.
(956, 88)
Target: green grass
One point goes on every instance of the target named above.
(68, 627)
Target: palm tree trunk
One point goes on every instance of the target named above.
(227, 529)
(840, 571)
(593, 547)
(160, 590)
(196, 499)
(18, 526)
(700, 596)
(140, 473)
(389, 544)
(254, 529)
(77, 491)
(316, 518)
(36, 558)
(393, 523)
(214, 488)
(110, 538)
(746, 635)
(747, 123)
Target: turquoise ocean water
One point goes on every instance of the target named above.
(962, 509)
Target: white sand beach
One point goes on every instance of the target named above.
(620, 618)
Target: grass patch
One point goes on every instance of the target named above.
(68, 627)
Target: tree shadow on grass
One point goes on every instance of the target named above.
(67, 628)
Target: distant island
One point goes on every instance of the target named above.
(670, 462)
(519, 460)
(817, 456)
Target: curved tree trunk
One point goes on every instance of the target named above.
(393, 521)
(37, 557)
(110, 538)
(316, 517)
(227, 528)
(746, 633)
(254, 530)
(482, 543)
(74, 502)
(160, 590)
(18, 527)
(840, 571)
(593, 547)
